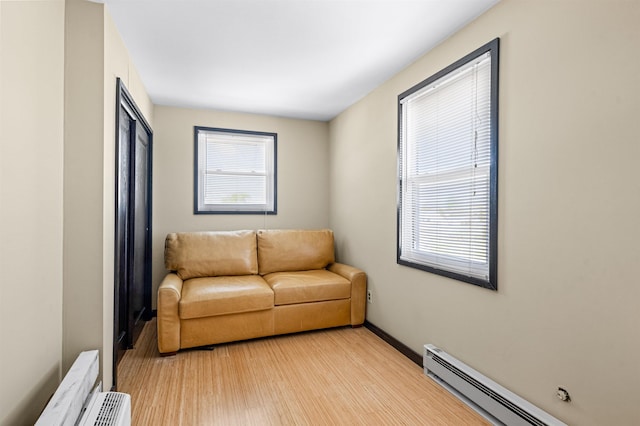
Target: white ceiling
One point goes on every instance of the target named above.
(295, 58)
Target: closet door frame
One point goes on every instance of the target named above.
(125, 221)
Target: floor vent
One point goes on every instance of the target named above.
(496, 403)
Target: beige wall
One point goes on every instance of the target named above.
(117, 63)
(95, 56)
(303, 181)
(83, 180)
(566, 310)
(31, 187)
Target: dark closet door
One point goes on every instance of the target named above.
(122, 237)
(138, 309)
(132, 286)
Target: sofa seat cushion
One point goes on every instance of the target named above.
(206, 297)
(307, 286)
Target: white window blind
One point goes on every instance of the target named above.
(445, 173)
(235, 171)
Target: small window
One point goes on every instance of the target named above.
(235, 171)
(447, 178)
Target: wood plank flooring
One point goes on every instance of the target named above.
(341, 376)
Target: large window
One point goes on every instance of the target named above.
(235, 171)
(448, 157)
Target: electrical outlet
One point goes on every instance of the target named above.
(369, 296)
(563, 395)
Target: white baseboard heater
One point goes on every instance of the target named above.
(107, 409)
(78, 401)
(494, 402)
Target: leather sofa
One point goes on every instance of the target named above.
(228, 286)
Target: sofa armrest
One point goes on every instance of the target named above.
(358, 279)
(169, 294)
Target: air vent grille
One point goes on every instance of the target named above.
(495, 402)
(487, 391)
(110, 410)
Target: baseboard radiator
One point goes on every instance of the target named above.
(494, 402)
(78, 401)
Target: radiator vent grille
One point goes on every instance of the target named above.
(487, 391)
(483, 394)
(109, 412)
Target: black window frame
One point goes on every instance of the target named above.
(492, 280)
(196, 175)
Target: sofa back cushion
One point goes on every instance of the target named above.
(210, 254)
(294, 250)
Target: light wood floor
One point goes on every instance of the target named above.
(340, 376)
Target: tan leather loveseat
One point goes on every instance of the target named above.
(227, 286)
